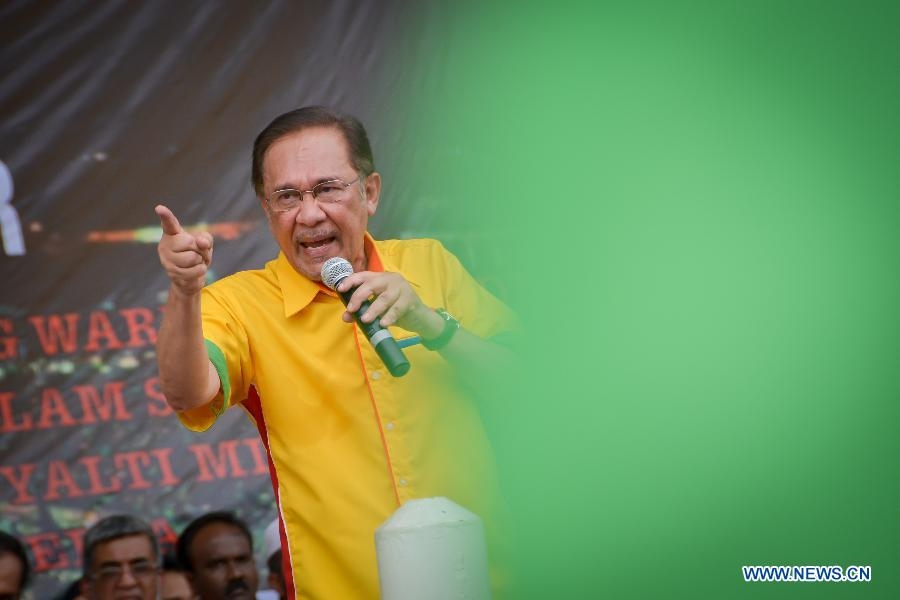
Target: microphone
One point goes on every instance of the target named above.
(334, 271)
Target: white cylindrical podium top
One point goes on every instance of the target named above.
(432, 548)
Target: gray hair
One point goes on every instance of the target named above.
(113, 528)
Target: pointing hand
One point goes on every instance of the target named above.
(185, 256)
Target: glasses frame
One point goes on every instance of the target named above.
(111, 575)
(315, 195)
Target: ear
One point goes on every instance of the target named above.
(86, 588)
(275, 583)
(265, 209)
(373, 192)
(190, 578)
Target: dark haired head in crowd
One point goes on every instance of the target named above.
(14, 567)
(173, 583)
(121, 560)
(216, 550)
(276, 574)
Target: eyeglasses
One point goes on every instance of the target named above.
(110, 574)
(326, 192)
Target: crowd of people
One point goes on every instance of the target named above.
(122, 558)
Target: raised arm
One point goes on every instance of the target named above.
(188, 378)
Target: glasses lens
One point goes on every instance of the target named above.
(112, 573)
(283, 200)
(330, 191)
(143, 569)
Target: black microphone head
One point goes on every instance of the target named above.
(334, 270)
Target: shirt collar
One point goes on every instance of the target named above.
(298, 291)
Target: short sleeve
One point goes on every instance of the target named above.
(468, 301)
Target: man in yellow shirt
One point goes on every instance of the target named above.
(347, 442)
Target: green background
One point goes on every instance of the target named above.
(693, 206)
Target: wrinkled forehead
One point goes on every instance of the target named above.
(306, 157)
(217, 541)
(123, 549)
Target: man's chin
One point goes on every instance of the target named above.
(308, 269)
(309, 264)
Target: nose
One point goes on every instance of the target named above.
(232, 571)
(309, 213)
(236, 569)
(127, 579)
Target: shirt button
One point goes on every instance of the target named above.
(402, 481)
(389, 426)
(376, 375)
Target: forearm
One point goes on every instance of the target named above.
(187, 376)
(478, 359)
(483, 361)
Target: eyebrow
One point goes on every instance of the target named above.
(291, 186)
(116, 563)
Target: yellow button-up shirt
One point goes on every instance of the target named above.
(347, 442)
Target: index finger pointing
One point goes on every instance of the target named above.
(167, 220)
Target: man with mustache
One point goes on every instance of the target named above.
(348, 442)
(216, 549)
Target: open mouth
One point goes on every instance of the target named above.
(317, 243)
